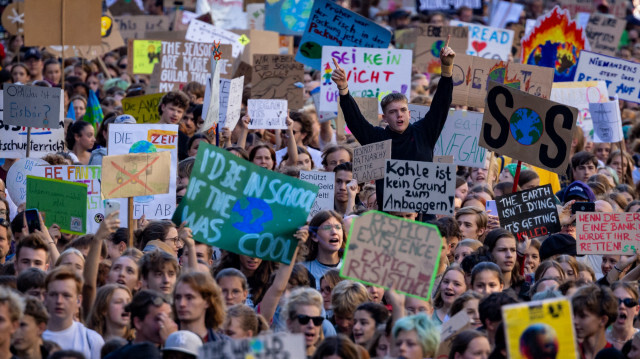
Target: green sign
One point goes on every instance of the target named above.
(61, 202)
(243, 208)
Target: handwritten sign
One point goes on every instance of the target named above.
(620, 75)
(200, 31)
(16, 181)
(234, 104)
(179, 63)
(32, 106)
(147, 138)
(448, 5)
(607, 233)
(275, 77)
(456, 324)
(326, 183)
(267, 114)
(13, 141)
(534, 329)
(368, 108)
(607, 122)
(426, 41)
(459, 137)
(488, 42)
(423, 187)
(369, 161)
(136, 26)
(580, 95)
(247, 203)
(332, 25)
(287, 18)
(382, 249)
(61, 202)
(471, 76)
(270, 346)
(370, 73)
(604, 32)
(532, 213)
(143, 108)
(528, 128)
(135, 174)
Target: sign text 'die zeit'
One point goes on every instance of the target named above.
(607, 233)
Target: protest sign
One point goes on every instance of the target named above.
(61, 202)
(607, 122)
(212, 114)
(16, 181)
(183, 18)
(369, 161)
(580, 95)
(459, 137)
(368, 108)
(607, 233)
(63, 25)
(325, 182)
(135, 27)
(556, 41)
(270, 346)
(147, 138)
(135, 174)
(180, 62)
(257, 42)
(89, 175)
(487, 42)
(620, 75)
(532, 213)
(267, 114)
(450, 329)
(426, 41)
(234, 104)
(604, 32)
(423, 187)
(448, 4)
(275, 77)
(255, 16)
(617, 8)
(200, 31)
(471, 76)
(370, 73)
(227, 14)
(287, 17)
(143, 108)
(518, 34)
(32, 106)
(125, 7)
(332, 25)
(504, 12)
(528, 128)
(145, 55)
(247, 203)
(13, 18)
(540, 329)
(383, 249)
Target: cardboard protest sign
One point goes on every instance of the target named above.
(234, 104)
(135, 27)
(518, 34)
(459, 137)
(620, 75)
(332, 25)
(370, 73)
(607, 122)
(617, 8)
(286, 17)
(607, 233)
(448, 5)
(580, 95)
(200, 31)
(267, 114)
(270, 346)
(426, 41)
(78, 30)
(257, 43)
(382, 249)
(532, 213)
(135, 174)
(368, 108)
(326, 183)
(16, 181)
(423, 187)
(471, 76)
(528, 128)
(147, 138)
(504, 12)
(183, 18)
(143, 108)
(61, 202)
(487, 42)
(32, 106)
(275, 76)
(540, 329)
(604, 32)
(13, 18)
(110, 39)
(247, 203)
(255, 16)
(369, 161)
(180, 62)
(556, 41)
(456, 324)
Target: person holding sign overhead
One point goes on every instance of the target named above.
(409, 141)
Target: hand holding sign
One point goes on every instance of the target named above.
(339, 77)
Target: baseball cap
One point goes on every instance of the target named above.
(125, 119)
(183, 341)
(32, 53)
(578, 189)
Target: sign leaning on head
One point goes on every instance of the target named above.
(528, 128)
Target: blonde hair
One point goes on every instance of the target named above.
(301, 296)
(68, 252)
(14, 302)
(249, 319)
(347, 296)
(97, 317)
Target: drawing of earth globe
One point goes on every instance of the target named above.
(295, 14)
(143, 147)
(526, 126)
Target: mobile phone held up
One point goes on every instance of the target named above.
(583, 207)
(33, 219)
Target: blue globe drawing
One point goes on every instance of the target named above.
(295, 14)
(526, 126)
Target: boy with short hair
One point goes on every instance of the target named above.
(594, 309)
(472, 221)
(31, 251)
(159, 271)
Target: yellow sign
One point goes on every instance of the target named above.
(146, 53)
(244, 40)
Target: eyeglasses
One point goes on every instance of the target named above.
(628, 302)
(4, 223)
(177, 241)
(328, 227)
(234, 292)
(304, 320)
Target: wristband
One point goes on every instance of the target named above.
(344, 88)
(446, 70)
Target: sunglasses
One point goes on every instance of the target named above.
(628, 302)
(304, 320)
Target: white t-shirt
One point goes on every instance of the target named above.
(318, 269)
(316, 156)
(77, 337)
